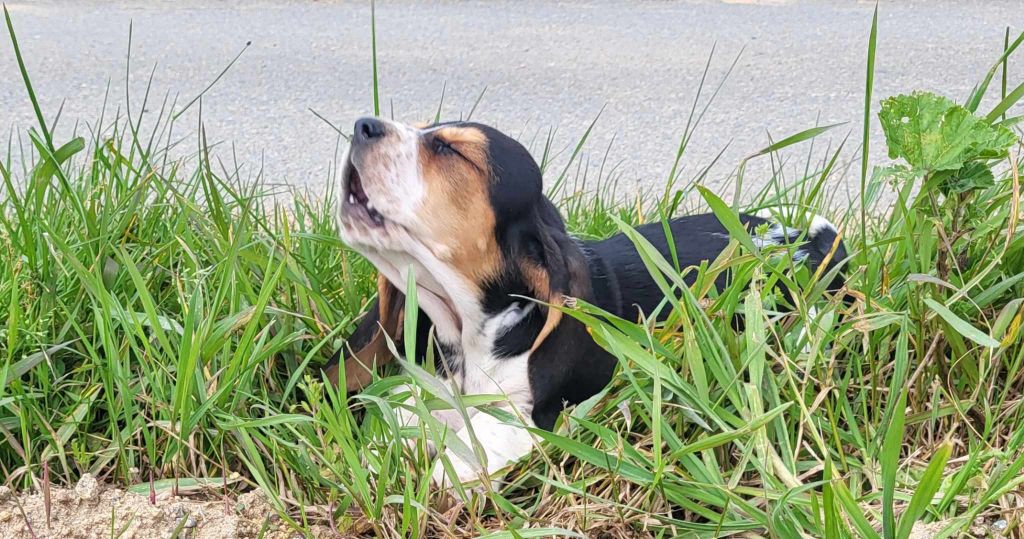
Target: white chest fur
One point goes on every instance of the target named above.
(470, 335)
(485, 373)
(481, 372)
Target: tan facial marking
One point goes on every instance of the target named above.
(457, 210)
(456, 135)
(540, 281)
(552, 321)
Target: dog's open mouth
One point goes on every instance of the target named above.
(356, 201)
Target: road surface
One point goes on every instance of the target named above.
(545, 66)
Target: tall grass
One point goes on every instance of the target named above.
(164, 321)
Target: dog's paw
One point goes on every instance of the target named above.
(462, 472)
(468, 477)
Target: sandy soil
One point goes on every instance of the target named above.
(92, 511)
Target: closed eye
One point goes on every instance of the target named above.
(441, 147)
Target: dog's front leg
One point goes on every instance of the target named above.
(449, 420)
(502, 444)
(407, 416)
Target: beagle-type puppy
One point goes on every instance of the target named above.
(461, 206)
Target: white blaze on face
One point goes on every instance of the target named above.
(390, 173)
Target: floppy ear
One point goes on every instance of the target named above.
(552, 264)
(565, 364)
(367, 347)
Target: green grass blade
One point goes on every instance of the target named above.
(889, 458)
(869, 85)
(28, 82)
(796, 138)
(410, 320)
(1008, 101)
(974, 100)
(853, 511)
(49, 166)
(960, 325)
(373, 53)
(926, 489)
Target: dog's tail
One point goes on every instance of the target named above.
(821, 245)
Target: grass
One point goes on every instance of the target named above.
(164, 320)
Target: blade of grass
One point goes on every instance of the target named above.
(865, 145)
(373, 53)
(28, 82)
(929, 484)
(960, 325)
(889, 458)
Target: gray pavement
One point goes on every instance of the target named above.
(544, 66)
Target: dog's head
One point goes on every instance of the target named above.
(462, 204)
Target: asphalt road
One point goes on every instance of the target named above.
(545, 66)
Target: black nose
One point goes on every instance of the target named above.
(368, 129)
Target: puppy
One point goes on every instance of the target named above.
(461, 207)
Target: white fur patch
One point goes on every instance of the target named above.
(779, 234)
(479, 372)
(393, 183)
(776, 235)
(503, 444)
(819, 224)
(507, 319)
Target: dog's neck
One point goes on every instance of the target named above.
(443, 293)
(463, 321)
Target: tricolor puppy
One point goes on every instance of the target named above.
(461, 205)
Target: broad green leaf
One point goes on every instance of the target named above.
(972, 176)
(898, 175)
(933, 133)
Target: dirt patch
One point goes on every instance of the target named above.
(92, 510)
(997, 528)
